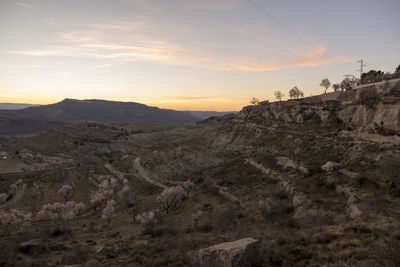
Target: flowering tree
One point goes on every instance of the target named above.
(15, 218)
(108, 211)
(104, 192)
(113, 182)
(57, 210)
(148, 220)
(15, 187)
(65, 191)
(171, 197)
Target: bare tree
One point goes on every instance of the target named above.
(335, 87)
(254, 101)
(279, 95)
(325, 83)
(295, 93)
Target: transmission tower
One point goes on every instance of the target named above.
(361, 67)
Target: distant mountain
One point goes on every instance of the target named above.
(207, 114)
(68, 111)
(14, 106)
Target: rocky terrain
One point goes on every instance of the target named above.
(308, 182)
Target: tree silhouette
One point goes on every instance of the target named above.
(279, 95)
(295, 93)
(254, 101)
(325, 83)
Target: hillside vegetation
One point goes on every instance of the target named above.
(316, 182)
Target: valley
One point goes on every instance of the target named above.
(303, 178)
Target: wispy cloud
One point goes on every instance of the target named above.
(318, 58)
(124, 41)
(8, 95)
(213, 4)
(24, 5)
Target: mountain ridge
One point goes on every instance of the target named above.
(68, 111)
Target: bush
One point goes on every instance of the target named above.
(171, 197)
(148, 220)
(368, 96)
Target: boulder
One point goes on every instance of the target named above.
(31, 246)
(353, 212)
(285, 162)
(330, 166)
(239, 253)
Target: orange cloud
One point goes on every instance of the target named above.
(144, 43)
(311, 59)
(316, 58)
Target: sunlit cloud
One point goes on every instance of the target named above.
(8, 95)
(24, 5)
(217, 103)
(317, 58)
(115, 42)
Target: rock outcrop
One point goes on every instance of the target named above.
(345, 106)
(382, 115)
(239, 253)
(330, 166)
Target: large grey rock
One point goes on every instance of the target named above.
(330, 166)
(353, 212)
(239, 253)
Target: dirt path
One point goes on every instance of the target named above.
(142, 172)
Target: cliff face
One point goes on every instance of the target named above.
(384, 114)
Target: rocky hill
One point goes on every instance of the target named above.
(68, 111)
(306, 182)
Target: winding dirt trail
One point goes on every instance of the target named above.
(142, 172)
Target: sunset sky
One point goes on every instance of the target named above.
(188, 54)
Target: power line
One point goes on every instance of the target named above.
(307, 21)
(319, 20)
(278, 22)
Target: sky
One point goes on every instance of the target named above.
(189, 54)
